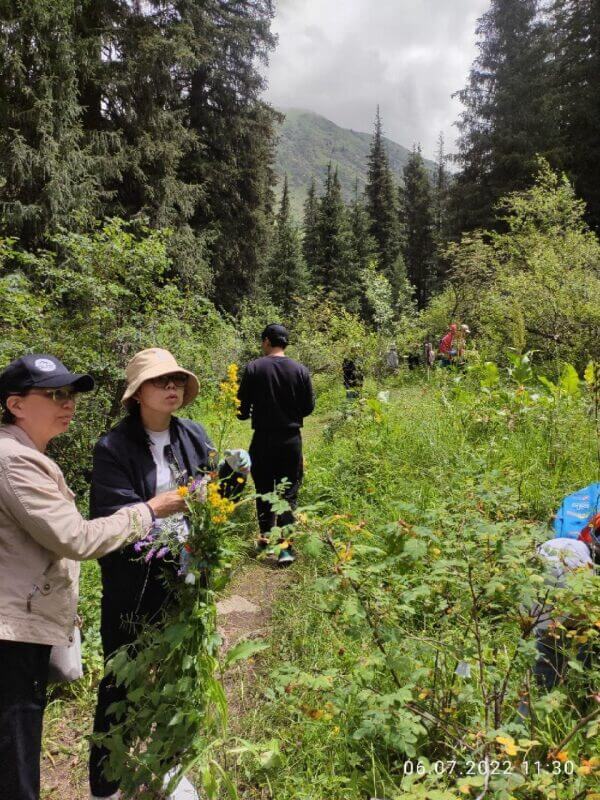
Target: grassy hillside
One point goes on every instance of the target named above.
(308, 142)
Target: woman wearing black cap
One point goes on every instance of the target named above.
(43, 537)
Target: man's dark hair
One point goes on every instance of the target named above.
(276, 334)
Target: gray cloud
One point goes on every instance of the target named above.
(341, 59)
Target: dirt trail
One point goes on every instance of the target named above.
(244, 613)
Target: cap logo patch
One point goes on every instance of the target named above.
(45, 365)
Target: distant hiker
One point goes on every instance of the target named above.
(276, 393)
(429, 352)
(461, 341)
(447, 349)
(150, 450)
(43, 537)
(392, 361)
(352, 376)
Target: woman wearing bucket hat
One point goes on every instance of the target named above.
(43, 537)
(149, 449)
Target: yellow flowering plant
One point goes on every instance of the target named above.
(176, 712)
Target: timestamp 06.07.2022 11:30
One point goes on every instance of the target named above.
(488, 767)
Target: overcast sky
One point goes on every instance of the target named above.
(341, 58)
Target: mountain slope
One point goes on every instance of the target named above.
(308, 142)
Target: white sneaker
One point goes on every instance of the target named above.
(115, 796)
(184, 791)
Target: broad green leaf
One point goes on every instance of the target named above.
(244, 650)
(569, 381)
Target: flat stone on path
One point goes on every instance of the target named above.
(236, 604)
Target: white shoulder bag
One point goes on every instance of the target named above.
(65, 661)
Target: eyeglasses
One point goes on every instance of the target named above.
(179, 379)
(63, 395)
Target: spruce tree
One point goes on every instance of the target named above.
(234, 159)
(177, 84)
(287, 277)
(441, 186)
(362, 244)
(150, 109)
(418, 218)
(48, 172)
(577, 32)
(382, 210)
(335, 268)
(310, 238)
(441, 194)
(508, 118)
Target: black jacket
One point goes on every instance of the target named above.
(124, 473)
(277, 393)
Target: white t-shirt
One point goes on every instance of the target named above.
(164, 477)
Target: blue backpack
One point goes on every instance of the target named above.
(577, 509)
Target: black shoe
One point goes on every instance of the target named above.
(262, 543)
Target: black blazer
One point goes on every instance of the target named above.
(124, 473)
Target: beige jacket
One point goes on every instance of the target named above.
(42, 538)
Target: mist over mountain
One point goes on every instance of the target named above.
(308, 142)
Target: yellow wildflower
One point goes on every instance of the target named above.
(221, 508)
(183, 491)
(508, 745)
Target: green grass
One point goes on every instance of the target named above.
(467, 468)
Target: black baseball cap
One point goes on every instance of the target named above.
(276, 334)
(40, 371)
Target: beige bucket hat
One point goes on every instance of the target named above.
(153, 363)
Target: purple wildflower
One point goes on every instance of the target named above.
(162, 552)
(150, 555)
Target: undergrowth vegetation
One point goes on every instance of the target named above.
(404, 652)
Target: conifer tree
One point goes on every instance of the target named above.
(381, 207)
(362, 244)
(287, 277)
(508, 119)
(234, 159)
(335, 268)
(441, 186)
(577, 32)
(441, 195)
(310, 238)
(48, 172)
(419, 243)
(121, 107)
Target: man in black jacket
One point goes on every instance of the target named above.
(276, 392)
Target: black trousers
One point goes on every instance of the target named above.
(133, 594)
(23, 682)
(276, 455)
(553, 658)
